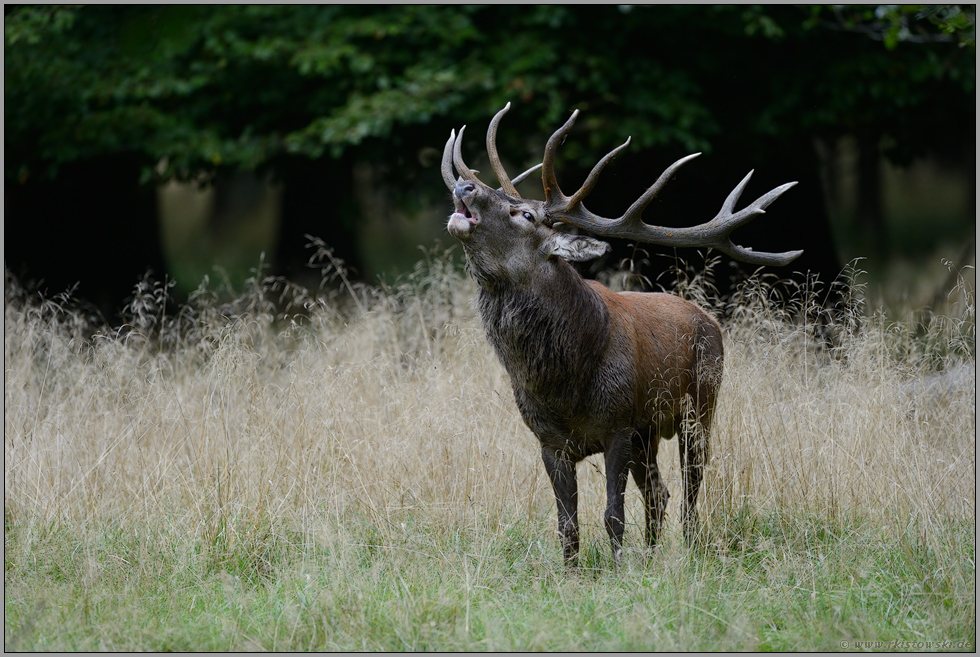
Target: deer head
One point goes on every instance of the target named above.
(501, 231)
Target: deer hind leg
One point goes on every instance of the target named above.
(693, 449)
(561, 472)
(695, 429)
(646, 474)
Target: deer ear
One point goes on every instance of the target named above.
(574, 248)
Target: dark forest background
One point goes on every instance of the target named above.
(179, 138)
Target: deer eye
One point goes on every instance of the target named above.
(529, 216)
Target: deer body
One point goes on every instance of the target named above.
(595, 371)
(588, 361)
(592, 370)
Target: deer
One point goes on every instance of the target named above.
(594, 370)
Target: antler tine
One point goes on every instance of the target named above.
(447, 162)
(498, 169)
(633, 214)
(464, 171)
(593, 176)
(746, 254)
(552, 193)
(757, 207)
(731, 220)
(729, 205)
(519, 179)
(717, 232)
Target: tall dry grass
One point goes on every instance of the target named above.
(238, 423)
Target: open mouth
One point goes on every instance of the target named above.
(462, 209)
(462, 221)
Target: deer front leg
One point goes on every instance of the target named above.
(617, 456)
(561, 472)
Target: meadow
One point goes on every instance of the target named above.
(278, 470)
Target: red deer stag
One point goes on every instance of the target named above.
(593, 370)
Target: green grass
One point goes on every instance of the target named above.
(358, 478)
(797, 585)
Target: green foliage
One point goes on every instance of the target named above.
(895, 24)
(193, 89)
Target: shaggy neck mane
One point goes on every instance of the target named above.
(546, 330)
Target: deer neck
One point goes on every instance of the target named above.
(547, 329)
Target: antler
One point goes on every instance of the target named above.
(498, 169)
(452, 154)
(570, 209)
(715, 233)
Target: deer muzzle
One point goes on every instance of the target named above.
(462, 221)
